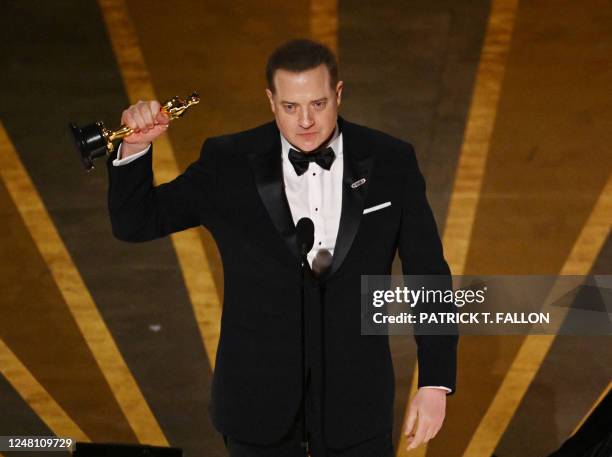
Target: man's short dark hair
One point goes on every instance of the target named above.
(301, 55)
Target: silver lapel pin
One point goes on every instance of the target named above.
(358, 183)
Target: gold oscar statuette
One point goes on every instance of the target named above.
(95, 140)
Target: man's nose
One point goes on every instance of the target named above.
(306, 119)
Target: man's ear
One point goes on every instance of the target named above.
(339, 88)
(271, 99)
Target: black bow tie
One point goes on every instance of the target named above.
(300, 160)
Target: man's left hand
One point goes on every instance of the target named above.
(427, 410)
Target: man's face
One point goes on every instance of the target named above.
(305, 106)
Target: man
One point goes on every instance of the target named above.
(366, 196)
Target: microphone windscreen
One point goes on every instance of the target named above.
(305, 235)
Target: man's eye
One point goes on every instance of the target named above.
(289, 107)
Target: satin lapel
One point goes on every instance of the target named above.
(357, 166)
(267, 167)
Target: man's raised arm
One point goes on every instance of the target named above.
(140, 211)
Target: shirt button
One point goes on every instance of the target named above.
(314, 174)
(316, 209)
(319, 243)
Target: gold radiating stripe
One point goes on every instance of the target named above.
(477, 135)
(324, 22)
(36, 396)
(190, 252)
(590, 411)
(535, 347)
(75, 294)
(474, 152)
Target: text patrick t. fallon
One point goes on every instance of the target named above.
(462, 318)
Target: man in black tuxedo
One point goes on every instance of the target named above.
(366, 196)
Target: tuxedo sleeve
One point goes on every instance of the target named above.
(421, 253)
(141, 211)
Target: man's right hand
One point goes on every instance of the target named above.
(147, 122)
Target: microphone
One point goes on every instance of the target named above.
(305, 235)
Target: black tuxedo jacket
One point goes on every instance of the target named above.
(235, 189)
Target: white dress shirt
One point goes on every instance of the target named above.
(316, 194)
(119, 161)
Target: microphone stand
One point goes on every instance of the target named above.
(305, 272)
(305, 238)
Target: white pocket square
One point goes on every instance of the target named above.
(376, 208)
